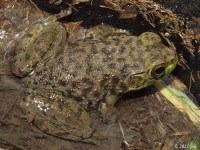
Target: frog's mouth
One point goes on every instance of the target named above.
(144, 79)
(139, 81)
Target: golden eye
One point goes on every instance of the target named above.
(158, 71)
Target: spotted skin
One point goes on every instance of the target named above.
(87, 74)
(93, 69)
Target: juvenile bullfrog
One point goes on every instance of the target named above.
(64, 79)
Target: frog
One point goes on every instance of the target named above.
(65, 80)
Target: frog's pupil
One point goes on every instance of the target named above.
(160, 70)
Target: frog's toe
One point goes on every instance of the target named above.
(59, 116)
(107, 108)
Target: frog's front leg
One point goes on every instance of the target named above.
(107, 108)
(58, 116)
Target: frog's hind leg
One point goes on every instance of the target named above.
(104, 31)
(59, 116)
(41, 41)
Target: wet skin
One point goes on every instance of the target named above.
(64, 79)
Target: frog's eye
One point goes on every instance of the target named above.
(158, 71)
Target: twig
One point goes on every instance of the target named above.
(13, 145)
(122, 131)
(34, 5)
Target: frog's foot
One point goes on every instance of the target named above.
(59, 116)
(107, 108)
